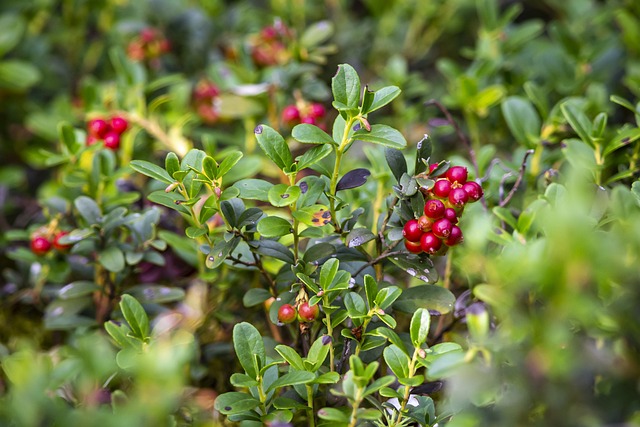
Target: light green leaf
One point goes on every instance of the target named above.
(248, 344)
(151, 170)
(274, 146)
(230, 161)
(112, 259)
(345, 86)
(135, 316)
(397, 361)
(284, 195)
(381, 98)
(292, 378)
(274, 226)
(522, 119)
(235, 403)
(383, 135)
(311, 134)
(419, 329)
(291, 356)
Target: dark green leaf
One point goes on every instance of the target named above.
(274, 146)
(358, 237)
(318, 252)
(170, 200)
(151, 170)
(13, 27)
(382, 134)
(355, 305)
(345, 86)
(254, 189)
(135, 316)
(255, 296)
(77, 289)
(292, 378)
(232, 210)
(221, 251)
(88, 209)
(248, 345)
(235, 403)
(579, 122)
(396, 162)
(250, 217)
(397, 361)
(312, 156)
(370, 289)
(311, 134)
(423, 154)
(271, 248)
(522, 119)
(432, 297)
(418, 266)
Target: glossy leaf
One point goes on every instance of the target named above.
(283, 195)
(274, 226)
(311, 134)
(358, 237)
(420, 324)
(383, 135)
(249, 348)
(396, 162)
(381, 97)
(135, 316)
(431, 297)
(274, 146)
(352, 179)
(151, 170)
(345, 86)
(254, 189)
(397, 361)
(423, 154)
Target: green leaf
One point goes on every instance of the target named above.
(579, 122)
(13, 27)
(170, 200)
(77, 289)
(68, 137)
(316, 33)
(423, 154)
(445, 365)
(255, 296)
(420, 324)
(355, 305)
(311, 134)
(391, 336)
(370, 289)
(417, 266)
(135, 316)
(156, 294)
(381, 98)
(274, 226)
(318, 353)
(383, 135)
(273, 249)
(334, 415)
(397, 361)
(312, 156)
(396, 162)
(387, 296)
(18, 76)
(209, 167)
(284, 195)
(254, 189)
(112, 259)
(230, 161)
(171, 163)
(522, 119)
(248, 345)
(431, 297)
(291, 356)
(318, 251)
(379, 384)
(292, 378)
(221, 251)
(327, 378)
(345, 86)
(119, 333)
(195, 232)
(235, 403)
(358, 237)
(232, 210)
(88, 209)
(242, 380)
(151, 170)
(274, 146)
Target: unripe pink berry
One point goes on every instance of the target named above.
(317, 110)
(287, 313)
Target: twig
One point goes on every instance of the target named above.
(380, 258)
(513, 190)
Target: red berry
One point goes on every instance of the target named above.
(411, 231)
(458, 197)
(61, 246)
(98, 128)
(148, 35)
(287, 313)
(40, 245)
(474, 190)
(91, 140)
(442, 228)
(119, 124)
(309, 120)
(430, 243)
(425, 223)
(457, 174)
(308, 313)
(269, 33)
(455, 236)
(290, 114)
(451, 215)
(434, 209)
(413, 247)
(442, 188)
(317, 111)
(112, 140)
(432, 167)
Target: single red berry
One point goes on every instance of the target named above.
(451, 215)
(98, 128)
(290, 114)
(442, 228)
(40, 245)
(413, 247)
(425, 223)
(309, 120)
(61, 246)
(474, 190)
(317, 110)
(442, 188)
(287, 313)
(432, 167)
(91, 140)
(455, 236)
(308, 313)
(119, 124)
(430, 243)
(148, 34)
(434, 209)
(457, 174)
(269, 33)
(458, 197)
(112, 141)
(411, 231)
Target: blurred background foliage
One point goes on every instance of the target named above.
(555, 83)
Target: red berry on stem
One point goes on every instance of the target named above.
(61, 246)
(112, 140)
(425, 223)
(430, 243)
(308, 120)
(442, 228)
(458, 197)
(317, 110)
(455, 236)
(308, 313)
(457, 174)
(290, 114)
(442, 188)
(98, 128)
(411, 231)
(434, 209)
(474, 190)
(413, 247)
(40, 245)
(287, 313)
(119, 124)
(451, 215)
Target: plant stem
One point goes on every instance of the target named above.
(310, 411)
(407, 389)
(325, 303)
(354, 410)
(336, 170)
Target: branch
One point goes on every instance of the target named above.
(382, 256)
(513, 190)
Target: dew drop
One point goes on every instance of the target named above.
(57, 311)
(412, 272)
(220, 254)
(278, 299)
(211, 258)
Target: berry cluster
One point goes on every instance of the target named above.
(304, 112)
(107, 131)
(205, 94)
(269, 47)
(437, 230)
(41, 244)
(305, 313)
(148, 45)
